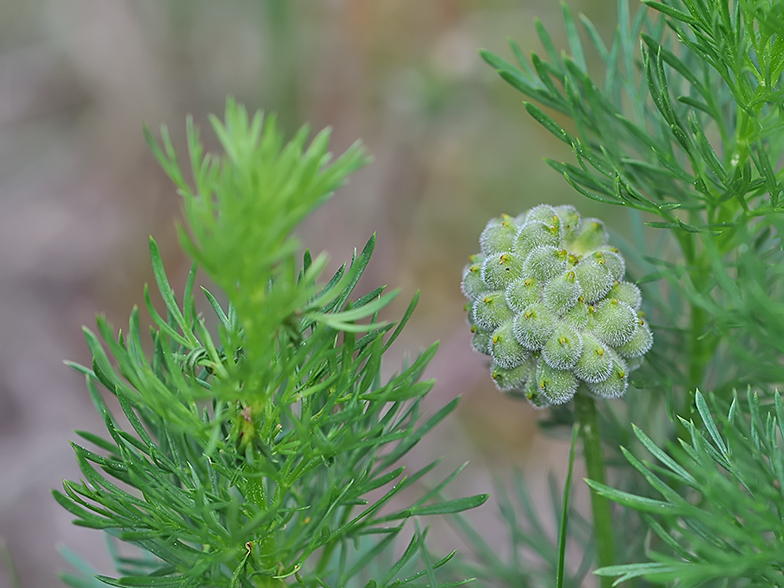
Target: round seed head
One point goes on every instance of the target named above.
(508, 379)
(626, 292)
(532, 235)
(542, 214)
(561, 293)
(533, 326)
(589, 236)
(563, 348)
(613, 261)
(472, 285)
(594, 278)
(595, 362)
(616, 383)
(491, 311)
(501, 269)
(640, 342)
(522, 293)
(505, 348)
(614, 322)
(548, 304)
(499, 235)
(481, 341)
(545, 262)
(556, 386)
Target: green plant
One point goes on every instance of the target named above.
(263, 446)
(264, 455)
(685, 131)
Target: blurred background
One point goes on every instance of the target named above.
(80, 193)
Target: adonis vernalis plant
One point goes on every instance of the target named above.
(264, 450)
(685, 125)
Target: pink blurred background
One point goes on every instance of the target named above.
(80, 194)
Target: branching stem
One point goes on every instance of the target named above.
(587, 418)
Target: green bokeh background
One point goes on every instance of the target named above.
(80, 193)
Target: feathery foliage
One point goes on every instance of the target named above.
(684, 129)
(269, 454)
(727, 521)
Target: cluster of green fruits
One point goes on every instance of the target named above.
(549, 305)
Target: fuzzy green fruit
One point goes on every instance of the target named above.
(612, 260)
(549, 305)
(534, 325)
(508, 379)
(473, 285)
(557, 386)
(570, 220)
(545, 262)
(595, 362)
(491, 311)
(532, 392)
(505, 349)
(580, 314)
(501, 269)
(499, 235)
(533, 235)
(626, 292)
(640, 342)
(562, 293)
(616, 383)
(589, 235)
(564, 347)
(481, 341)
(614, 322)
(543, 214)
(595, 279)
(522, 293)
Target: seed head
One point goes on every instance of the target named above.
(548, 303)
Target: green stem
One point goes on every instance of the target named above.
(588, 421)
(701, 344)
(266, 547)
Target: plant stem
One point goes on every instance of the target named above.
(701, 344)
(588, 421)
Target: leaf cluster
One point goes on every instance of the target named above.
(660, 159)
(240, 213)
(724, 523)
(269, 454)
